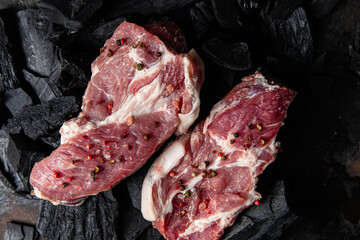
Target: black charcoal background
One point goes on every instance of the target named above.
(312, 190)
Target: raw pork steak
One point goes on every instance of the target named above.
(141, 91)
(197, 187)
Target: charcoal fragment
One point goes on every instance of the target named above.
(39, 52)
(40, 120)
(17, 231)
(132, 224)
(293, 35)
(320, 8)
(9, 162)
(150, 234)
(42, 87)
(52, 140)
(16, 99)
(134, 185)
(96, 36)
(202, 16)
(265, 221)
(66, 75)
(8, 79)
(93, 220)
(234, 56)
(226, 14)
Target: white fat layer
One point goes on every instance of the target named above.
(164, 163)
(146, 100)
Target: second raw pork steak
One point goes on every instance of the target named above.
(201, 182)
(141, 91)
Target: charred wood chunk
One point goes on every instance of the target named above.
(234, 56)
(15, 231)
(202, 15)
(42, 87)
(39, 52)
(40, 120)
(8, 79)
(16, 99)
(93, 220)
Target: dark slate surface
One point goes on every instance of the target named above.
(93, 220)
(16, 231)
(40, 120)
(8, 79)
(16, 99)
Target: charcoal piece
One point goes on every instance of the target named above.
(320, 8)
(93, 220)
(97, 35)
(281, 9)
(226, 14)
(69, 16)
(17, 231)
(8, 79)
(293, 35)
(234, 56)
(117, 8)
(39, 52)
(241, 224)
(132, 224)
(16, 99)
(134, 185)
(52, 140)
(202, 16)
(42, 87)
(265, 221)
(9, 161)
(20, 4)
(67, 75)
(13, 232)
(355, 61)
(40, 120)
(150, 234)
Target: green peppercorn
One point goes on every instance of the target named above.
(139, 66)
(180, 181)
(188, 193)
(236, 135)
(182, 187)
(213, 173)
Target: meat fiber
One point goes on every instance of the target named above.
(141, 91)
(201, 182)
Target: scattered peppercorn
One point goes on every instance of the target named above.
(130, 120)
(111, 161)
(207, 163)
(259, 127)
(118, 42)
(110, 53)
(246, 147)
(124, 135)
(104, 142)
(102, 159)
(64, 185)
(134, 46)
(248, 139)
(88, 146)
(213, 173)
(84, 137)
(129, 147)
(223, 157)
(102, 49)
(56, 175)
(139, 66)
(110, 106)
(182, 213)
(156, 124)
(257, 203)
(90, 157)
(97, 169)
(158, 54)
(181, 204)
(141, 45)
(194, 166)
(69, 179)
(146, 137)
(236, 135)
(171, 174)
(193, 174)
(122, 159)
(262, 141)
(232, 141)
(220, 154)
(92, 174)
(108, 148)
(72, 162)
(250, 127)
(182, 187)
(180, 181)
(188, 193)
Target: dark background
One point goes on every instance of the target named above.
(310, 192)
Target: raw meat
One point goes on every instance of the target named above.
(141, 91)
(197, 187)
